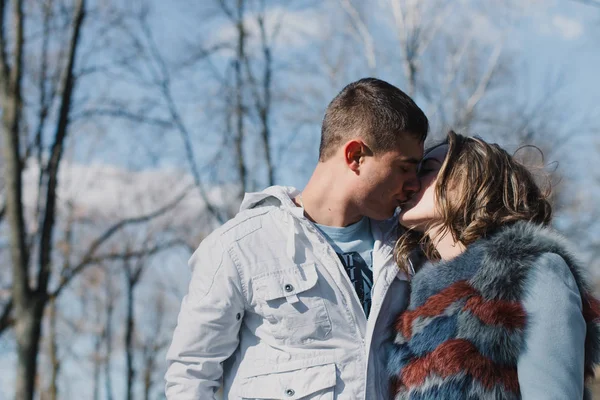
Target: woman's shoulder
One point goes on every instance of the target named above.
(551, 277)
(517, 252)
(555, 265)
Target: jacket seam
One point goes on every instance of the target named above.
(243, 220)
(241, 278)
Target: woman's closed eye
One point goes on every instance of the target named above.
(425, 171)
(428, 166)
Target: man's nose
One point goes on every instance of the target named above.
(412, 185)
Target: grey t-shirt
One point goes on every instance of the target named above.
(354, 246)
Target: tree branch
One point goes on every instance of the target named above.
(13, 167)
(17, 70)
(263, 102)
(136, 254)
(4, 68)
(409, 54)
(45, 104)
(5, 319)
(483, 84)
(126, 115)
(363, 32)
(226, 10)
(240, 132)
(57, 150)
(164, 86)
(89, 258)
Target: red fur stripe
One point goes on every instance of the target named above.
(492, 312)
(591, 308)
(510, 314)
(434, 306)
(455, 356)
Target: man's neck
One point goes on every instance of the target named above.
(326, 201)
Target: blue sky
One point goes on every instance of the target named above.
(566, 36)
(548, 38)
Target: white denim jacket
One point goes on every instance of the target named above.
(271, 312)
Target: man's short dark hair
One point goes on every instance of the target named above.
(379, 113)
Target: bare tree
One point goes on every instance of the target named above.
(246, 98)
(132, 277)
(54, 357)
(133, 269)
(29, 302)
(107, 336)
(262, 88)
(153, 343)
(100, 330)
(30, 294)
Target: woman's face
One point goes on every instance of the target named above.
(421, 210)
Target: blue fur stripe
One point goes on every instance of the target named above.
(438, 331)
(499, 344)
(452, 388)
(398, 356)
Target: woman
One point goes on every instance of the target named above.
(499, 309)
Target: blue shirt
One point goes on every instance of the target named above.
(551, 366)
(354, 247)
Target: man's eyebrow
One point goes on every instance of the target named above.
(410, 160)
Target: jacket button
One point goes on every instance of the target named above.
(238, 316)
(288, 288)
(290, 392)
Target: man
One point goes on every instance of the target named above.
(293, 297)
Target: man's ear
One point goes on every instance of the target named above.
(354, 151)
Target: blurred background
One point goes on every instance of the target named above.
(131, 129)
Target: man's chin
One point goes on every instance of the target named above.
(378, 215)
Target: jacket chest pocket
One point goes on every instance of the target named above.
(292, 303)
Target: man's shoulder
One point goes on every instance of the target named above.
(244, 223)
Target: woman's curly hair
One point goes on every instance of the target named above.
(479, 188)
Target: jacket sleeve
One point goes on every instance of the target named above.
(207, 327)
(552, 364)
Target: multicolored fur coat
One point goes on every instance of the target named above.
(465, 326)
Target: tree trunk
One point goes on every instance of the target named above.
(108, 337)
(239, 98)
(129, 338)
(54, 360)
(148, 369)
(97, 363)
(28, 308)
(265, 107)
(29, 303)
(28, 329)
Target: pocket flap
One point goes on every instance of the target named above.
(285, 282)
(291, 384)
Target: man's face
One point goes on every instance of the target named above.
(388, 179)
